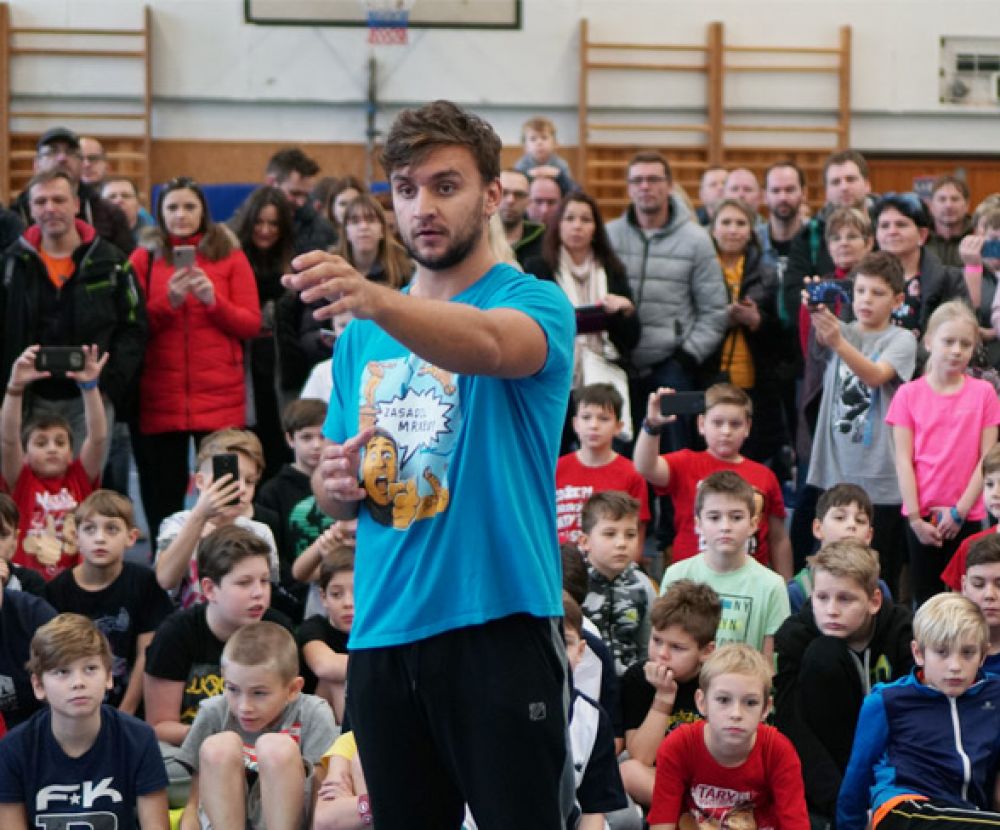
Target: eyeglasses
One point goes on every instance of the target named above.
(50, 152)
(637, 181)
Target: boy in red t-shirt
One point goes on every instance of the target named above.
(955, 569)
(729, 770)
(48, 483)
(595, 467)
(725, 425)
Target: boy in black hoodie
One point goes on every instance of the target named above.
(830, 654)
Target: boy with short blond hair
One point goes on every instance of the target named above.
(221, 502)
(323, 638)
(725, 425)
(952, 574)
(595, 466)
(253, 748)
(78, 763)
(926, 747)
(47, 483)
(540, 159)
(619, 595)
(122, 598)
(845, 640)
(754, 599)
(659, 695)
(729, 770)
(981, 584)
(867, 360)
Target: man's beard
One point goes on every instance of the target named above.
(462, 244)
(785, 212)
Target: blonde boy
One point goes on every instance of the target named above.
(729, 770)
(725, 425)
(754, 599)
(659, 695)
(540, 158)
(122, 598)
(78, 763)
(926, 746)
(220, 502)
(253, 748)
(845, 640)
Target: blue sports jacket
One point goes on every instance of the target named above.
(914, 740)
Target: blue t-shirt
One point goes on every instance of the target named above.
(99, 789)
(21, 615)
(459, 523)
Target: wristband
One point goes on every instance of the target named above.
(14, 392)
(956, 516)
(364, 809)
(649, 429)
(87, 385)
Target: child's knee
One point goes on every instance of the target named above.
(826, 659)
(275, 750)
(221, 749)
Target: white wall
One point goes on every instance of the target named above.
(216, 76)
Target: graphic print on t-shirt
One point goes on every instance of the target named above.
(204, 681)
(719, 808)
(851, 403)
(51, 533)
(736, 613)
(415, 409)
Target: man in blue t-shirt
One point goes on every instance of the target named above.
(444, 429)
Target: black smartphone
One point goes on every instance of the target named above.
(226, 463)
(991, 249)
(60, 359)
(683, 403)
(591, 318)
(184, 256)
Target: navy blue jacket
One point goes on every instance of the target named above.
(915, 740)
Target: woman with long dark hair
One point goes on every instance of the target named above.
(264, 228)
(199, 315)
(577, 254)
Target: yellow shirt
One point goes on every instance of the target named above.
(345, 746)
(736, 357)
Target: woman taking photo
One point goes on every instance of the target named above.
(264, 228)
(201, 299)
(751, 347)
(576, 254)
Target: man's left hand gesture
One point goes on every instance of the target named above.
(319, 275)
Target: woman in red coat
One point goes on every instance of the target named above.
(199, 315)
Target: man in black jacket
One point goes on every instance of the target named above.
(293, 173)
(59, 149)
(63, 285)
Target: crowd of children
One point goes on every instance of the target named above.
(214, 683)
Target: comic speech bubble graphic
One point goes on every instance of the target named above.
(414, 420)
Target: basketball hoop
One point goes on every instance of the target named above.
(388, 21)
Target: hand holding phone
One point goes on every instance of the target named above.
(227, 463)
(183, 256)
(682, 403)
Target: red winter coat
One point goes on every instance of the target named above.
(193, 377)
